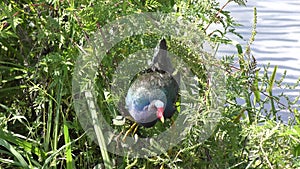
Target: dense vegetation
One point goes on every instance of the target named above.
(40, 43)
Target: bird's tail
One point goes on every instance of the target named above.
(161, 61)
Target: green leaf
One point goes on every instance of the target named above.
(19, 157)
(69, 158)
(23, 142)
(239, 49)
(272, 79)
(255, 89)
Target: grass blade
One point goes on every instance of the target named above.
(68, 151)
(9, 147)
(98, 131)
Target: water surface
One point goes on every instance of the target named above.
(277, 41)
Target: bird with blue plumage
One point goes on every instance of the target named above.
(153, 93)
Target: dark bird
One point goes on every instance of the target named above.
(153, 93)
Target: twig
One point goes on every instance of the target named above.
(217, 14)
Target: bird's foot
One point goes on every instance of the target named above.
(133, 127)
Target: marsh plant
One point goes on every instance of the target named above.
(40, 43)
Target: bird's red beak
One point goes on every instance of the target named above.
(160, 114)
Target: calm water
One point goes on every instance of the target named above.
(277, 41)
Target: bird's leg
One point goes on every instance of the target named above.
(135, 129)
(172, 121)
(134, 126)
(175, 110)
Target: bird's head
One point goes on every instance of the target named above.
(159, 105)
